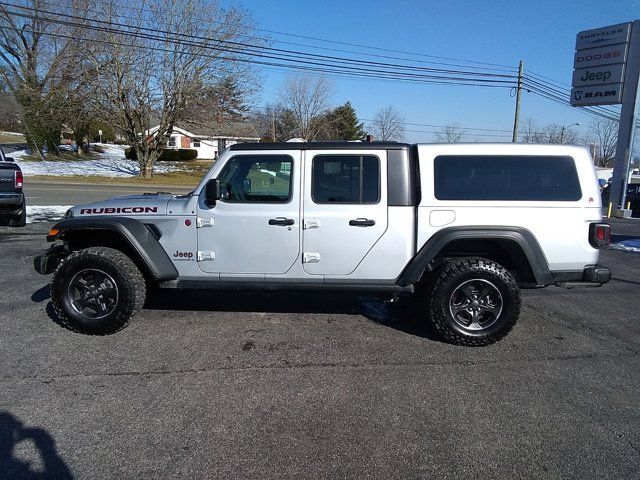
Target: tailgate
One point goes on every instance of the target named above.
(7, 177)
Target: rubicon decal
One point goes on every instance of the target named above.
(112, 210)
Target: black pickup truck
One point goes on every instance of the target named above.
(13, 210)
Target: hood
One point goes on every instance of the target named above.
(128, 206)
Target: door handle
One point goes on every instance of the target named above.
(362, 222)
(281, 221)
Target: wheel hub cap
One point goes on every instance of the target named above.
(476, 304)
(93, 293)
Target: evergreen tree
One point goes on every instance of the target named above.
(341, 123)
(229, 98)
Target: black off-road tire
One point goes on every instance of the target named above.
(465, 271)
(119, 267)
(19, 220)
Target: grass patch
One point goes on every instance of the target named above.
(189, 175)
(9, 137)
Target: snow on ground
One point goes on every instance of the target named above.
(110, 163)
(46, 213)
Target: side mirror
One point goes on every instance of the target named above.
(212, 192)
(9, 159)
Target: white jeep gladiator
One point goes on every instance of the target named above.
(466, 226)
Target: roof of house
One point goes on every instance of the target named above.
(225, 129)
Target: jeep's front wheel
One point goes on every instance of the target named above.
(97, 291)
(473, 301)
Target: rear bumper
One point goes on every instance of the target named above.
(592, 276)
(48, 261)
(11, 198)
(11, 203)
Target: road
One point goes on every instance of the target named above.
(51, 193)
(242, 386)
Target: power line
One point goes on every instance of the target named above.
(277, 54)
(562, 99)
(543, 94)
(564, 93)
(130, 8)
(332, 65)
(502, 67)
(322, 69)
(464, 130)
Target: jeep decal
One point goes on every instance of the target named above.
(183, 256)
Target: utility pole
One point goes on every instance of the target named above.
(518, 93)
(273, 125)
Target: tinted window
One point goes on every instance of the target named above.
(345, 179)
(541, 178)
(257, 178)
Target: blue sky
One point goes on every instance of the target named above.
(541, 33)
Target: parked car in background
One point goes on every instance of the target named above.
(632, 197)
(13, 209)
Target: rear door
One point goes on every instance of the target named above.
(344, 208)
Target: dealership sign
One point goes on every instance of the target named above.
(596, 57)
(599, 37)
(598, 75)
(599, 65)
(598, 95)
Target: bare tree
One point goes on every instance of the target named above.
(36, 64)
(275, 123)
(605, 132)
(531, 132)
(308, 99)
(388, 125)
(450, 134)
(145, 79)
(10, 113)
(555, 133)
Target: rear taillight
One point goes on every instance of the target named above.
(599, 235)
(19, 179)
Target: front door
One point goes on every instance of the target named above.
(255, 227)
(345, 208)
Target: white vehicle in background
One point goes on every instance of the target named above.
(466, 226)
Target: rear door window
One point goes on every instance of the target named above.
(346, 179)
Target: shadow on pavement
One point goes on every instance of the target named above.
(42, 294)
(14, 436)
(405, 315)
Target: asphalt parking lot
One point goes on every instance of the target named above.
(305, 386)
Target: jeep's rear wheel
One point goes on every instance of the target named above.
(473, 301)
(97, 291)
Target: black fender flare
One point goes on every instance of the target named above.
(136, 235)
(524, 238)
